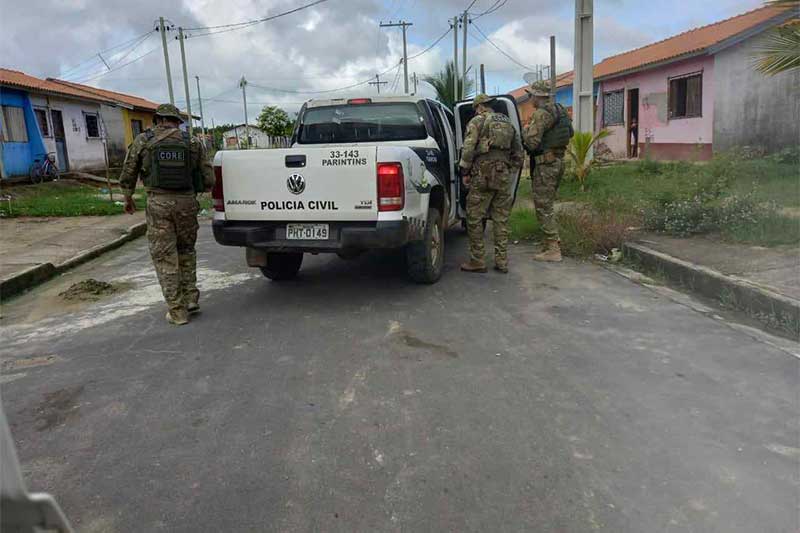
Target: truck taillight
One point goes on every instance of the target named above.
(391, 187)
(217, 196)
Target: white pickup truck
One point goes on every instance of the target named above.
(362, 174)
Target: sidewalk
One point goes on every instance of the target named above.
(762, 281)
(35, 249)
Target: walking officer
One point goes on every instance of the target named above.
(546, 139)
(174, 168)
(491, 155)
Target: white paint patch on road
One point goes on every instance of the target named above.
(349, 394)
(145, 294)
(787, 451)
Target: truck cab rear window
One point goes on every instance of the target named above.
(361, 123)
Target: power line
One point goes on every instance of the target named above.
(78, 66)
(275, 89)
(118, 64)
(223, 28)
(494, 7)
(500, 49)
(116, 68)
(470, 5)
(428, 49)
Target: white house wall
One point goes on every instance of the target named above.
(83, 153)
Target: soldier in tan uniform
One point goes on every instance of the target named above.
(491, 155)
(174, 167)
(546, 138)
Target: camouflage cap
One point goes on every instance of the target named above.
(168, 110)
(539, 88)
(481, 99)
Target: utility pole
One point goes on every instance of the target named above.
(243, 85)
(583, 87)
(465, 23)
(377, 83)
(202, 116)
(166, 58)
(455, 59)
(416, 81)
(402, 24)
(483, 80)
(186, 80)
(552, 69)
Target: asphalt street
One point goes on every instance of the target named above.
(560, 398)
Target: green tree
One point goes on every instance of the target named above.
(578, 151)
(442, 81)
(779, 50)
(275, 121)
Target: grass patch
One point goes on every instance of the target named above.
(524, 225)
(63, 198)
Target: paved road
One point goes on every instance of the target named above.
(558, 398)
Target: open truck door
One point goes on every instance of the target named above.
(464, 112)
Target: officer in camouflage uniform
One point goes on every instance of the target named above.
(174, 168)
(491, 156)
(546, 138)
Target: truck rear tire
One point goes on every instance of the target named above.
(425, 258)
(282, 266)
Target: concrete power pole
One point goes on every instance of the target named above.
(583, 87)
(404, 25)
(243, 85)
(483, 80)
(166, 58)
(416, 82)
(455, 59)
(202, 116)
(377, 83)
(552, 69)
(186, 80)
(465, 23)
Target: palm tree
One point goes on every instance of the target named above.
(442, 81)
(780, 48)
(579, 149)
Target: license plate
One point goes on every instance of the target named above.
(313, 232)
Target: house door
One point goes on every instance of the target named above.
(60, 139)
(632, 141)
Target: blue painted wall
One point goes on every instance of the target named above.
(18, 157)
(564, 94)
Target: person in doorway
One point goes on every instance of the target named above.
(546, 138)
(492, 153)
(174, 168)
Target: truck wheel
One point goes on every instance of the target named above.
(425, 258)
(282, 266)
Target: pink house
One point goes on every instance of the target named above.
(696, 93)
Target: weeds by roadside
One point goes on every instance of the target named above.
(63, 198)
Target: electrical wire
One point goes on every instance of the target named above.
(500, 49)
(494, 7)
(80, 66)
(371, 78)
(429, 48)
(116, 68)
(223, 28)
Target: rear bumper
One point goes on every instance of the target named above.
(343, 236)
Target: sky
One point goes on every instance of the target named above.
(335, 44)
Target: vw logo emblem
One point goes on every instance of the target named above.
(296, 184)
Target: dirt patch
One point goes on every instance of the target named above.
(89, 290)
(58, 407)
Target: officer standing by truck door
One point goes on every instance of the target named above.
(491, 154)
(546, 139)
(174, 167)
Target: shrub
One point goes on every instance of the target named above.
(584, 233)
(648, 166)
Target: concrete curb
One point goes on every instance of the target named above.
(29, 278)
(757, 300)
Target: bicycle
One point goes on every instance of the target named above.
(44, 166)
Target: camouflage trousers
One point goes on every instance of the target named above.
(497, 204)
(172, 232)
(546, 179)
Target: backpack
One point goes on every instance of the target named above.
(559, 134)
(170, 162)
(497, 133)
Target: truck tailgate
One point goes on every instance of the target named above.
(304, 184)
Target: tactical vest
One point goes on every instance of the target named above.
(170, 163)
(497, 133)
(559, 134)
